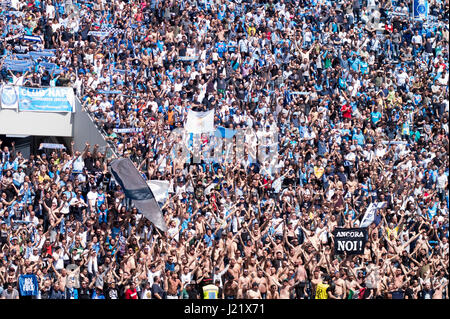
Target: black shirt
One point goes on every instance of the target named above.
(84, 293)
(156, 289)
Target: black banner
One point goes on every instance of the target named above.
(349, 240)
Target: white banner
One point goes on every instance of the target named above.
(200, 122)
(9, 97)
(160, 189)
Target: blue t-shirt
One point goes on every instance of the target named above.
(359, 138)
(376, 117)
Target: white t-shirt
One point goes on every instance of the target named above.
(401, 78)
(78, 165)
(146, 294)
(441, 180)
(18, 80)
(186, 278)
(34, 220)
(65, 209)
(417, 39)
(151, 275)
(92, 197)
(50, 11)
(59, 261)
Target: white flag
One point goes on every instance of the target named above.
(369, 216)
(200, 122)
(160, 189)
(9, 97)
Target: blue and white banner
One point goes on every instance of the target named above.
(28, 285)
(34, 38)
(420, 9)
(41, 54)
(54, 99)
(9, 97)
(109, 91)
(12, 37)
(395, 142)
(99, 33)
(52, 146)
(188, 58)
(128, 130)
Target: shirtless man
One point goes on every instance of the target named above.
(301, 277)
(230, 288)
(317, 279)
(231, 245)
(234, 268)
(285, 290)
(254, 292)
(262, 283)
(399, 278)
(341, 288)
(244, 284)
(272, 276)
(129, 261)
(173, 285)
(352, 285)
(273, 292)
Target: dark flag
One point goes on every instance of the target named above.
(135, 188)
(349, 240)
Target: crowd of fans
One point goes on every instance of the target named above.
(356, 93)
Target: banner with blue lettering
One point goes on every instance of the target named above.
(420, 9)
(28, 285)
(54, 99)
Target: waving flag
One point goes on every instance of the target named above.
(160, 189)
(135, 188)
(200, 122)
(370, 215)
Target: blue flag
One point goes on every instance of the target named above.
(420, 9)
(28, 285)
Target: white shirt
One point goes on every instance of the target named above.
(18, 80)
(92, 197)
(146, 294)
(50, 11)
(78, 165)
(186, 278)
(401, 78)
(151, 275)
(417, 39)
(59, 262)
(33, 220)
(442, 180)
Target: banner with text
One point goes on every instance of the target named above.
(28, 285)
(54, 99)
(349, 240)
